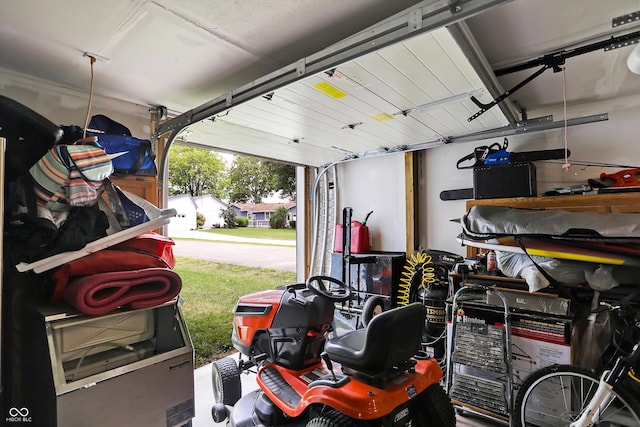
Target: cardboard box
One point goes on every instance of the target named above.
(531, 302)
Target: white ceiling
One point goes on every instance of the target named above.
(176, 53)
(525, 29)
(184, 54)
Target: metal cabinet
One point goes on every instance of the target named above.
(130, 367)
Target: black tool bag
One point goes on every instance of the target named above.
(29, 136)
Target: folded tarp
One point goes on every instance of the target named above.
(486, 222)
(101, 293)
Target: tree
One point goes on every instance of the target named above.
(248, 181)
(195, 171)
(283, 178)
(279, 218)
(229, 216)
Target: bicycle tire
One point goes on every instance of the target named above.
(554, 396)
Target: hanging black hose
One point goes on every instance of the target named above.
(420, 283)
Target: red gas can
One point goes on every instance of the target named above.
(360, 242)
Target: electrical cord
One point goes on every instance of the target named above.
(92, 60)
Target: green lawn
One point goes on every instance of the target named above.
(210, 291)
(256, 233)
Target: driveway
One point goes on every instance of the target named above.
(275, 254)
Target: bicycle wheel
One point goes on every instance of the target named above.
(554, 396)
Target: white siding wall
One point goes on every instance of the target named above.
(210, 208)
(186, 218)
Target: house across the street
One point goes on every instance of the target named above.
(186, 213)
(211, 207)
(260, 213)
(188, 207)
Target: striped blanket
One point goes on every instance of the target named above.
(70, 175)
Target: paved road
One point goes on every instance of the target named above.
(278, 255)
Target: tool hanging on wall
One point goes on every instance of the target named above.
(626, 180)
(484, 158)
(496, 154)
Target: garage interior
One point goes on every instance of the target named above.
(375, 102)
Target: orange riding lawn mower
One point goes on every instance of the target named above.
(378, 375)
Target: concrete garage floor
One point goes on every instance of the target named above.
(281, 256)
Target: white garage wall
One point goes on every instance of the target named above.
(63, 106)
(615, 141)
(376, 184)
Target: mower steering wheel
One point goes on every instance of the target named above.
(339, 294)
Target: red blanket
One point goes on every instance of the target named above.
(148, 250)
(102, 293)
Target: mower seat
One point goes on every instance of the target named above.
(391, 338)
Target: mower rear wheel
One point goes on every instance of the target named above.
(225, 377)
(436, 407)
(333, 418)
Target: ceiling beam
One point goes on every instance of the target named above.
(467, 42)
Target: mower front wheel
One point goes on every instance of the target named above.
(333, 418)
(225, 378)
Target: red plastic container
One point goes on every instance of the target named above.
(360, 242)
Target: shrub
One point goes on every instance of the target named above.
(242, 221)
(200, 219)
(279, 218)
(229, 217)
